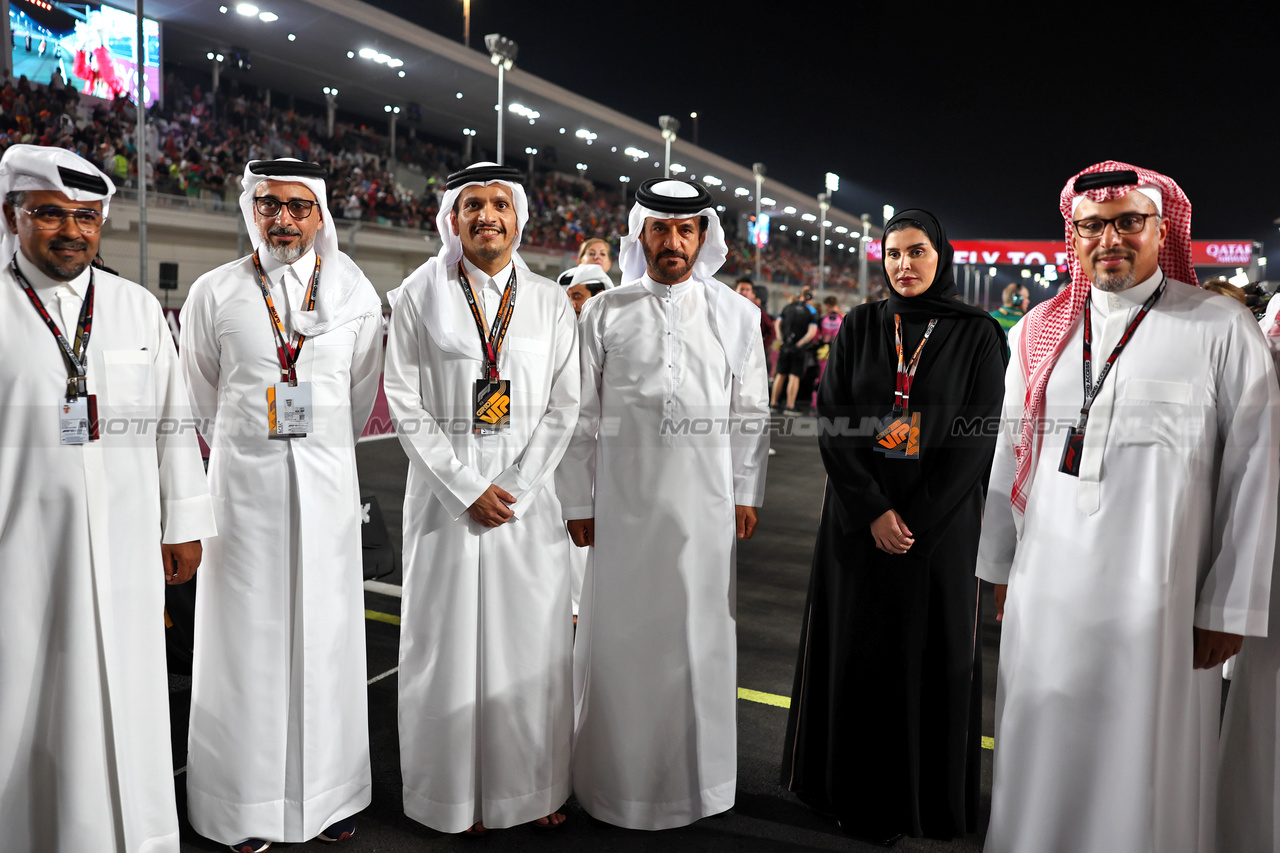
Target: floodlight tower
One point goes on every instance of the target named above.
(670, 127)
(824, 204)
(757, 169)
(502, 53)
(330, 106)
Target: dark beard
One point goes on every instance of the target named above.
(657, 273)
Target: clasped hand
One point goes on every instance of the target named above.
(891, 533)
(493, 508)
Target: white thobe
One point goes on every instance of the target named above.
(1249, 766)
(673, 441)
(85, 759)
(279, 737)
(1106, 738)
(485, 640)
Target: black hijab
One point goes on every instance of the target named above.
(942, 299)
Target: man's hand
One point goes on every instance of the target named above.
(180, 561)
(746, 519)
(582, 531)
(1002, 590)
(891, 533)
(493, 508)
(1213, 647)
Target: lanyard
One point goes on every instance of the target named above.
(493, 343)
(287, 352)
(1091, 390)
(73, 354)
(907, 372)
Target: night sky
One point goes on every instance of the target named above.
(980, 118)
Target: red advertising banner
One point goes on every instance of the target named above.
(1037, 253)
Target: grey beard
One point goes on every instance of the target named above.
(1114, 283)
(286, 254)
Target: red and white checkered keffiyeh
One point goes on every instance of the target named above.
(1049, 324)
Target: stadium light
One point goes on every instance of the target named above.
(789, 210)
(292, 37)
(741, 191)
(809, 217)
(524, 112)
(768, 202)
(502, 53)
(712, 181)
(268, 17)
(677, 169)
(636, 154)
(832, 182)
(585, 135)
(532, 152)
(247, 9)
(470, 134)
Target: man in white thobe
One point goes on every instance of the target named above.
(482, 382)
(1136, 554)
(1249, 765)
(665, 471)
(92, 527)
(279, 737)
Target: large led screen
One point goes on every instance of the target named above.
(91, 45)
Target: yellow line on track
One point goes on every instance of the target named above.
(743, 693)
(382, 617)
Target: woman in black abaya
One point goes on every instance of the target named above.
(885, 723)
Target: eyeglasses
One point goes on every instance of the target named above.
(52, 217)
(1125, 223)
(270, 206)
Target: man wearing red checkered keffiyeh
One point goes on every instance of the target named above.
(1131, 521)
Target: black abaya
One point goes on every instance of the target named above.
(885, 722)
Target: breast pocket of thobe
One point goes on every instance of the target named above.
(128, 388)
(527, 368)
(1159, 413)
(331, 380)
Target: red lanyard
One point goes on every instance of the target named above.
(73, 354)
(1091, 390)
(492, 344)
(287, 352)
(907, 372)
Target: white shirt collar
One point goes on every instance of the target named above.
(1128, 298)
(483, 279)
(79, 285)
(659, 289)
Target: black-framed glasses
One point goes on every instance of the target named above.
(1125, 223)
(269, 205)
(50, 217)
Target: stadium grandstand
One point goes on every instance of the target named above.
(390, 108)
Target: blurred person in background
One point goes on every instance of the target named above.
(596, 251)
(892, 603)
(796, 327)
(1015, 299)
(768, 333)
